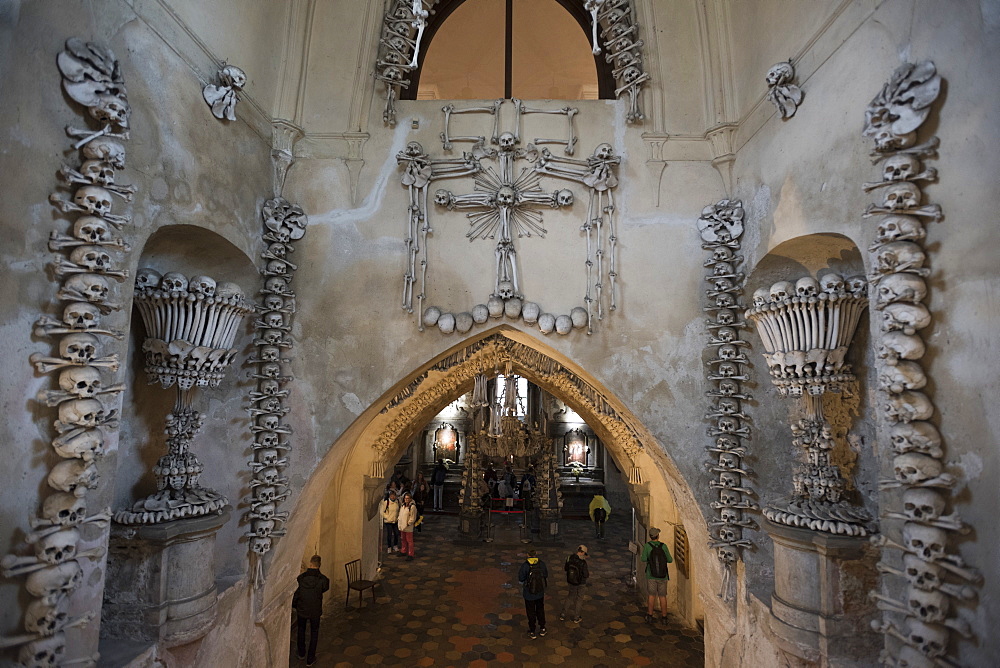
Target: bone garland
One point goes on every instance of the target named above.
(402, 29)
(785, 95)
(899, 261)
(283, 224)
(806, 327)
(721, 226)
(85, 260)
(504, 205)
(222, 99)
(622, 49)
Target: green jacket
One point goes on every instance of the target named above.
(646, 549)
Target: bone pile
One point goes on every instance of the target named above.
(623, 49)
(87, 261)
(191, 325)
(399, 51)
(782, 93)
(806, 327)
(283, 224)
(223, 98)
(937, 581)
(721, 226)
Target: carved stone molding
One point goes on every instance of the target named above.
(284, 135)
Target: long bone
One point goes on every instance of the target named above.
(82, 620)
(12, 565)
(924, 150)
(71, 176)
(948, 522)
(46, 326)
(68, 206)
(58, 242)
(100, 519)
(49, 364)
(570, 112)
(963, 592)
(63, 267)
(929, 174)
(932, 211)
(611, 6)
(447, 139)
(52, 398)
(87, 136)
(952, 562)
(634, 84)
(887, 604)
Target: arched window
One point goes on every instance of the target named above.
(528, 49)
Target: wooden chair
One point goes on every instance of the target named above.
(355, 583)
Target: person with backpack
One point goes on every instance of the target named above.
(577, 573)
(437, 482)
(656, 556)
(533, 576)
(308, 605)
(600, 510)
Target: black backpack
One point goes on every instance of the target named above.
(600, 514)
(536, 581)
(574, 574)
(657, 561)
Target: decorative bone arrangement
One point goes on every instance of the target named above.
(87, 263)
(190, 329)
(223, 98)
(806, 328)
(399, 51)
(622, 49)
(506, 206)
(782, 93)
(283, 224)
(721, 226)
(935, 578)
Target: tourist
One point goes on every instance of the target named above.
(656, 556)
(390, 515)
(308, 605)
(600, 510)
(437, 482)
(420, 490)
(533, 576)
(577, 573)
(406, 522)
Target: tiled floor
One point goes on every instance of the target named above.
(458, 604)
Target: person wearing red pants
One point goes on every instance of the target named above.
(407, 521)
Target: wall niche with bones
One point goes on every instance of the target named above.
(809, 264)
(511, 187)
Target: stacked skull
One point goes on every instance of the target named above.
(284, 223)
(897, 278)
(721, 226)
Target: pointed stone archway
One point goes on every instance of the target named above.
(336, 514)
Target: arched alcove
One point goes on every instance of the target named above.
(814, 255)
(335, 514)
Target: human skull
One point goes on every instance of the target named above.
(268, 476)
(92, 229)
(530, 312)
(902, 287)
(265, 511)
(274, 302)
(43, 619)
(274, 320)
(921, 504)
(728, 369)
(63, 508)
(604, 152)
(779, 74)
(73, 475)
(431, 315)
(58, 547)
(887, 140)
(729, 479)
(266, 493)
(276, 268)
(506, 196)
(832, 284)
(94, 258)
(897, 346)
(267, 439)
(446, 323)
(260, 544)
(442, 197)
(728, 352)
(726, 300)
(630, 74)
(728, 497)
(729, 515)
(899, 256)
(511, 309)
(98, 172)
(727, 334)
(913, 468)
(902, 376)
(900, 167)
(722, 254)
(729, 461)
(495, 306)
(81, 315)
(93, 199)
(270, 370)
(227, 290)
(723, 269)
(203, 285)
(563, 325)
(564, 197)
(781, 291)
(111, 110)
(546, 323)
(81, 412)
(233, 77)
(92, 287)
(857, 285)
(920, 573)
(930, 639)
(921, 437)
(147, 279)
(86, 445)
(267, 456)
(506, 141)
(899, 228)
(729, 534)
(722, 284)
(273, 337)
(268, 422)
(480, 313)
(505, 290)
(277, 285)
(43, 653)
(806, 287)
(726, 317)
(51, 584)
(578, 315)
(728, 555)
(906, 318)
(108, 150)
(909, 406)
(901, 196)
(174, 281)
(928, 606)
(78, 348)
(83, 382)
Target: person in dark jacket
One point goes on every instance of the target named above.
(577, 562)
(308, 604)
(437, 482)
(534, 602)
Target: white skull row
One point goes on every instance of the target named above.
(511, 307)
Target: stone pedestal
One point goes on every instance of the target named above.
(817, 590)
(161, 580)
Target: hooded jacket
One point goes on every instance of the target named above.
(522, 577)
(390, 511)
(308, 598)
(599, 502)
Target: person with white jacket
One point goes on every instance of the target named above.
(390, 516)
(406, 521)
